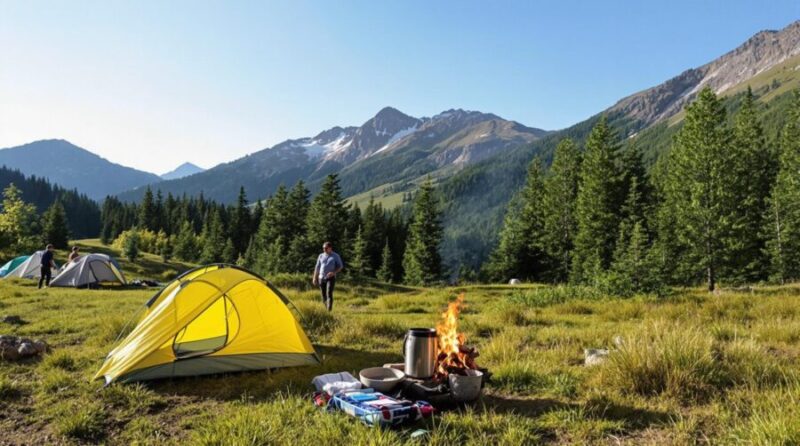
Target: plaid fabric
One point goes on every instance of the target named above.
(377, 409)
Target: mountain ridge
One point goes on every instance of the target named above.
(73, 167)
(385, 136)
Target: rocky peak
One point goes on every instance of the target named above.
(759, 53)
(374, 134)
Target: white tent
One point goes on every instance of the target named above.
(31, 268)
(88, 270)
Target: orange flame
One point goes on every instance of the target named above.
(452, 357)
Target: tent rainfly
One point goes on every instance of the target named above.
(212, 319)
(89, 270)
(30, 268)
(8, 267)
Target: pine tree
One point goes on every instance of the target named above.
(54, 226)
(520, 252)
(358, 267)
(131, 247)
(753, 177)
(327, 217)
(558, 206)
(422, 261)
(186, 243)
(633, 267)
(147, 211)
(240, 224)
(783, 217)
(385, 272)
(164, 246)
(229, 254)
(397, 235)
(255, 221)
(159, 218)
(597, 204)
(249, 258)
(374, 233)
(700, 188)
(213, 238)
(297, 204)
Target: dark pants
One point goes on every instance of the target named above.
(326, 289)
(45, 274)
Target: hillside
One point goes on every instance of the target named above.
(391, 146)
(476, 198)
(73, 167)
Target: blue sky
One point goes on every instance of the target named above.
(153, 84)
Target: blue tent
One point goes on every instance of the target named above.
(8, 267)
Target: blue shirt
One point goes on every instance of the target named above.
(328, 264)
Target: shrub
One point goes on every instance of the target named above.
(301, 282)
(146, 240)
(510, 313)
(8, 388)
(771, 419)
(664, 359)
(316, 319)
(82, 423)
(60, 359)
(546, 296)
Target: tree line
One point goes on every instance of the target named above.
(285, 232)
(721, 205)
(83, 213)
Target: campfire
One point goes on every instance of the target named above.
(455, 356)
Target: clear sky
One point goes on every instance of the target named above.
(151, 84)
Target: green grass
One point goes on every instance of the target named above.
(692, 368)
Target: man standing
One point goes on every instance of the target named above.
(46, 271)
(328, 265)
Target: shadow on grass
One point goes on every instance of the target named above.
(265, 384)
(633, 417)
(531, 408)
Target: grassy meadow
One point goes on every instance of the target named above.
(691, 368)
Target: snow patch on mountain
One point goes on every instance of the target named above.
(397, 137)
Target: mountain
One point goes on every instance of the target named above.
(391, 146)
(758, 54)
(184, 170)
(72, 167)
(476, 197)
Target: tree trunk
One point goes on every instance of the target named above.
(711, 278)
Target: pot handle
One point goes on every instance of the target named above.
(405, 340)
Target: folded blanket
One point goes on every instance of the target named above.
(333, 383)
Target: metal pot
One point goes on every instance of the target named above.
(419, 350)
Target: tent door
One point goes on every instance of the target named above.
(209, 332)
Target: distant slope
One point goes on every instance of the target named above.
(391, 146)
(73, 167)
(184, 170)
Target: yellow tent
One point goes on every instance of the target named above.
(212, 319)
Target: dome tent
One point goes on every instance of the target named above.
(89, 270)
(30, 268)
(212, 319)
(13, 263)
